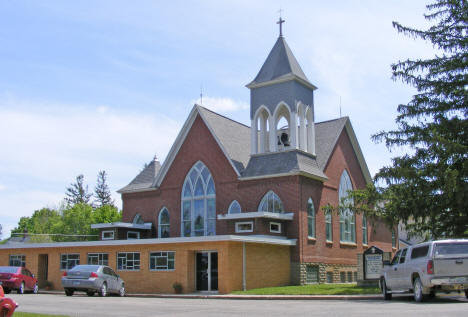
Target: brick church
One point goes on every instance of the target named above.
(237, 207)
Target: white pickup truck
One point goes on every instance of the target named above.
(427, 268)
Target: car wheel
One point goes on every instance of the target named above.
(21, 289)
(418, 290)
(36, 289)
(103, 290)
(7, 290)
(90, 293)
(385, 293)
(69, 292)
(122, 291)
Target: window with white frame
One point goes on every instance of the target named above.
(133, 235)
(198, 203)
(138, 220)
(128, 261)
(311, 218)
(271, 203)
(68, 261)
(107, 235)
(246, 226)
(234, 208)
(17, 260)
(163, 223)
(328, 226)
(275, 227)
(364, 229)
(162, 261)
(98, 259)
(347, 217)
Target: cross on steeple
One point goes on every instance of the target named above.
(280, 22)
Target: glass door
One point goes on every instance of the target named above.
(207, 271)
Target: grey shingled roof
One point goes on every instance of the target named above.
(144, 179)
(326, 136)
(280, 62)
(271, 164)
(234, 136)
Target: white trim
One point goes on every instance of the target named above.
(219, 238)
(129, 225)
(279, 227)
(311, 176)
(165, 224)
(258, 214)
(230, 205)
(160, 270)
(358, 152)
(137, 233)
(107, 231)
(281, 79)
(238, 230)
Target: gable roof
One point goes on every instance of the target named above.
(234, 140)
(280, 64)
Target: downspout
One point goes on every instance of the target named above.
(244, 283)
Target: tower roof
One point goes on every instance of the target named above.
(280, 65)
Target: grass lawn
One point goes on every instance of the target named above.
(316, 289)
(21, 314)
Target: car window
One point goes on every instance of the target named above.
(112, 272)
(419, 252)
(107, 271)
(403, 256)
(395, 258)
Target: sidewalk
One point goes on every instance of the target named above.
(247, 297)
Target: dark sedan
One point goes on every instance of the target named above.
(91, 279)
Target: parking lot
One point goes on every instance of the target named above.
(139, 306)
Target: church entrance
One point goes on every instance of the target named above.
(207, 271)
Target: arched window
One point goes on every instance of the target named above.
(198, 203)
(234, 208)
(138, 220)
(271, 203)
(364, 229)
(347, 218)
(311, 218)
(163, 224)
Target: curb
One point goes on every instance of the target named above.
(247, 297)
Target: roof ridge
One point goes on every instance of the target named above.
(220, 115)
(326, 121)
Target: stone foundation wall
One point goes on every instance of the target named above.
(335, 271)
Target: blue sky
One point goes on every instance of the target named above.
(105, 85)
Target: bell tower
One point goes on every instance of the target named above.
(281, 104)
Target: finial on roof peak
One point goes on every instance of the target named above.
(280, 22)
(155, 158)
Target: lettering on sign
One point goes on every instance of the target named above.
(373, 266)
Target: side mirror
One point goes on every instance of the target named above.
(386, 262)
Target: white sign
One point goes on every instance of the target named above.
(373, 266)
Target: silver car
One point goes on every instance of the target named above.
(91, 279)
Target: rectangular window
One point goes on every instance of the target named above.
(133, 235)
(419, 252)
(347, 227)
(107, 235)
(18, 260)
(128, 261)
(312, 274)
(162, 261)
(244, 226)
(350, 277)
(68, 261)
(355, 276)
(329, 277)
(343, 277)
(328, 226)
(98, 259)
(364, 229)
(275, 227)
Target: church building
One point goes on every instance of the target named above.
(236, 207)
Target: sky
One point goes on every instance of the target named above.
(106, 85)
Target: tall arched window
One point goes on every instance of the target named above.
(271, 203)
(163, 224)
(347, 218)
(198, 203)
(138, 220)
(311, 218)
(234, 208)
(364, 229)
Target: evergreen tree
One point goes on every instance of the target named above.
(427, 187)
(77, 193)
(102, 192)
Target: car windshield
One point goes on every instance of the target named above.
(8, 269)
(85, 268)
(451, 248)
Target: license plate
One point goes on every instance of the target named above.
(76, 283)
(458, 280)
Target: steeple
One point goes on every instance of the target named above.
(281, 90)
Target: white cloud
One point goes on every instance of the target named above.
(222, 104)
(2, 187)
